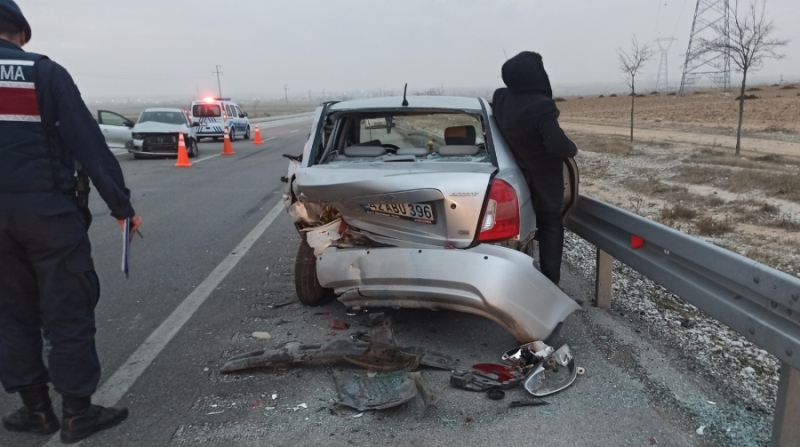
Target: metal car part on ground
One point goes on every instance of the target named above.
(421, 206)
(363, 392)
(381, 353)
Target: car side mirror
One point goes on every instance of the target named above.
(244, 114)
(129, 124)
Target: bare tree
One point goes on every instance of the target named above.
(436, 91)
(630, 62)
(750, 44)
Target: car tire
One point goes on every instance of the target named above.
(192, 149)
(247, 133)
(306, 283)
(232, 134)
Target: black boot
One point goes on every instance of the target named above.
(37, 416)
(82, 419)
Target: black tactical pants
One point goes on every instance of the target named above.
(47, 282)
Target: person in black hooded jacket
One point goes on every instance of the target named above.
(528, 119)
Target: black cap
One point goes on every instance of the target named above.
(11, 12)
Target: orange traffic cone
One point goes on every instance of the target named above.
(227, 149)
(258, 140)
(183, 156)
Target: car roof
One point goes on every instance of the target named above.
(163, 109)
(414, 102)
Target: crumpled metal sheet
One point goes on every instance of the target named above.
(380, 353)
(382, 391)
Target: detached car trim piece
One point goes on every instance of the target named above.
(490, 281)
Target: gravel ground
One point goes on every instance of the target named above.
(748, 373)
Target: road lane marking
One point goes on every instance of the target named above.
(123, 378)
(294, 131)
(206, 158)
(270, 139)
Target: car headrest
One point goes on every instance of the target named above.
(460, 136)
(364, 151)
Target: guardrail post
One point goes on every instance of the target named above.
(786, 426)
(603, 280)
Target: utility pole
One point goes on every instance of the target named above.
(662, 80)
(286, 93)
(219, 84)
(709, 16)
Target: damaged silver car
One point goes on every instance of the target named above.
(420, 204)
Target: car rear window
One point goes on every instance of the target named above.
(206, 110)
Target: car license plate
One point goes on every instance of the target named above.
(418, 212)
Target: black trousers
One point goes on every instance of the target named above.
(47, 282)
(550, 229)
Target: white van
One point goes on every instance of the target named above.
(215, 114)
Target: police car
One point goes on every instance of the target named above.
(215, 114)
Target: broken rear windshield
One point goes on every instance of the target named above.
(408, 136)
(206, 110)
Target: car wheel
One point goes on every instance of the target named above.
(192, 149)
(232, 134)
(247, 133)
(306, 284)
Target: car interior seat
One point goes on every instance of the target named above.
(459, 140)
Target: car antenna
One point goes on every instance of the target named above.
(405, 101)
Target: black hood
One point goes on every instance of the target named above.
(524, 73)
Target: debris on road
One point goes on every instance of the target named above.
(338, 325)
(261, 335)
(282, 304)
(485, 376)
(380, 353)
(302, 406)
(495, 394)
(700, 431)
(383, 391)
(528, 403)
(356, 416)
(542, 371)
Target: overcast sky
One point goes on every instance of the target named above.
(164, 47)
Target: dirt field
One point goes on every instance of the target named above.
(681, 170)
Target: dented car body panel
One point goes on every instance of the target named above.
(395, 200)
(494, 282)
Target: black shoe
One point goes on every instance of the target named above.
(37, 416)
(82, 419)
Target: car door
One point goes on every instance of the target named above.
(241, 120)
(116, 128)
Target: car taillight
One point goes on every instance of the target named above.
(500, 221)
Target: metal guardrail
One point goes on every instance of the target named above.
(757, 301)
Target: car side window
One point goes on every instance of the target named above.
(239, 112)
(112, 119)
(231, 112)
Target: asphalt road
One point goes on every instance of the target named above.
(218, 250)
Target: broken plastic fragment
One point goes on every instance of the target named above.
(538, 384)
(274, 396)
(338, 325)
(356, 416)
(261, 335)
(701, 430)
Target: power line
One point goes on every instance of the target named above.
(711, 22)
(219, 84)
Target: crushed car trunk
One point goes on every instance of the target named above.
(375, 197)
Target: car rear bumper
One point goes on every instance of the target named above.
(494, 282)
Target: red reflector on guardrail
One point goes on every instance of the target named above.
(636, 242)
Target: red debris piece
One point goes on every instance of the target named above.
(504, 373)
(469, 420)
(636, 242)
(325, 314)
(653, 441)
(255, 404)
(338, 325)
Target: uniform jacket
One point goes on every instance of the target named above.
(528, 120)
(41, 140)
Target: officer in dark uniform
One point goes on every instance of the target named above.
(47, 277)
